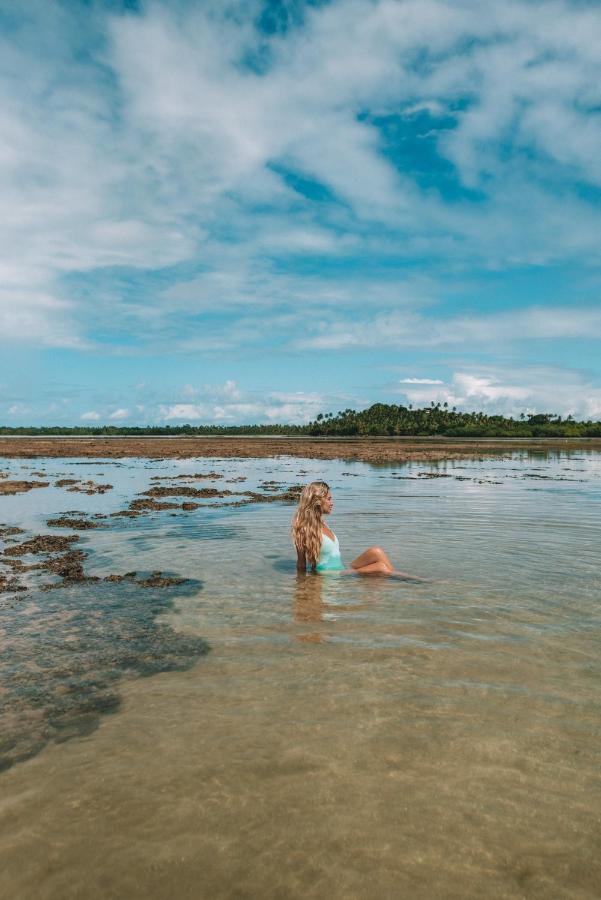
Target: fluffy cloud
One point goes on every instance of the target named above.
(487, 388)
(397, 329)
(228, 404)
(162, 139)
(17, 409)
(184, 412)
(532, 390)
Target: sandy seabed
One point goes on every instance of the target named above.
(341, 738)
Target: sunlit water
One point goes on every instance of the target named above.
(345, 735)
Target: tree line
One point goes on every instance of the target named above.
(380, 419)
(439, 419)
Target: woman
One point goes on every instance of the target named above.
(317, 545)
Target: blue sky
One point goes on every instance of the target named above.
(258, 211)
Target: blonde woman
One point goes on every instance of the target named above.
(318, 546)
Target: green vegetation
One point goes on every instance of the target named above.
(379, 419)
(438, 419)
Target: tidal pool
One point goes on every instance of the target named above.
(318, 736)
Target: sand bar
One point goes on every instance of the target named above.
(374, 449)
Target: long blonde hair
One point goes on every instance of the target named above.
(307, 522)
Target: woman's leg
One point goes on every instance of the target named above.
(371, 556)
(375, 568)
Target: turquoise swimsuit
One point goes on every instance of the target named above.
(329, 556)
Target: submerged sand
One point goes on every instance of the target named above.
(373, 449)
(341, 737)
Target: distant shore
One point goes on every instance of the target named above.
(366, 449)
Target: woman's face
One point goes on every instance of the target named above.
(327, 504)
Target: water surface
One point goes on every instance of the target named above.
(344, 736)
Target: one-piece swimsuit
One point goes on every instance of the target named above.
(329, 556)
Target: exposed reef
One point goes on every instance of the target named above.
(83, 487)
(20, 487)
(147, 502)
(75, 524)
(194, 476)
(367, 449)
(9, 531)
(9, 584)
(183, 491)
(42, 543)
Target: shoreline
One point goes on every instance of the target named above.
(371, 449)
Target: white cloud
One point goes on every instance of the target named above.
(183, 411)
(158, 149)
(509, 390)
(293, 407)
(396, 329)
(229, 390)
(28, 315)
(119, 414)
(420, 381)
(237, 406)
(534, 389)
(244, 285)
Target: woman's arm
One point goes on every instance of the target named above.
(301, 561)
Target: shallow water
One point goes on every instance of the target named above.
(344, 736)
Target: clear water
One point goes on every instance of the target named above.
(345, 736)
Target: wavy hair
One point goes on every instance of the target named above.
(307, 522)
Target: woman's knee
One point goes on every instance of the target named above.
(382, 557)
(378, 551)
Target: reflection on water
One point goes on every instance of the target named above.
(346, 736)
